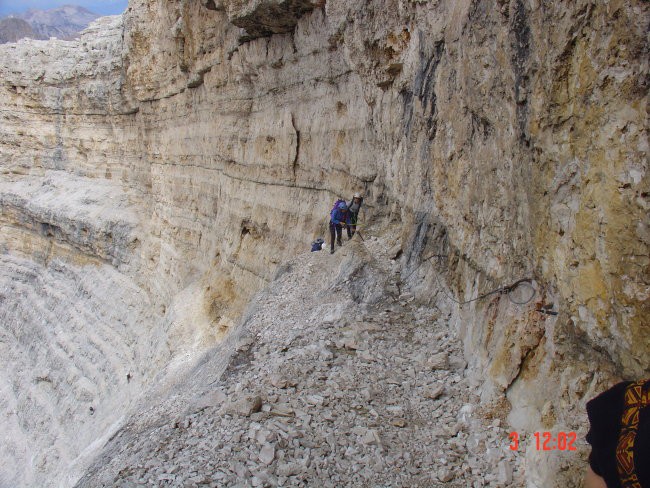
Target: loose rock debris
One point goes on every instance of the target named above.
(333, 379)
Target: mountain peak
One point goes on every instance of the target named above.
(12, 29)
(64, 22)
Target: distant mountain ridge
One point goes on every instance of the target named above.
(62, 22)
(12, 29)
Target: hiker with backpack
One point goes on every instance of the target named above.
(354, 206)
(339, 216)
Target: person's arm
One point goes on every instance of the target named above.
(336, 219)
(592, 480)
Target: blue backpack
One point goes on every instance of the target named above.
(317, 245)
(336, 205)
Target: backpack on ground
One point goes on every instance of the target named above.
(317, 245)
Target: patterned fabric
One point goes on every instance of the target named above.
(637, 396)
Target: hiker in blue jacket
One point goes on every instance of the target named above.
(339, 216)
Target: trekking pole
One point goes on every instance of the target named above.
(356, 231)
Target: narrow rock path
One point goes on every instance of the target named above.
(336, 379)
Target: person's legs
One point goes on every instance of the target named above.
(339, 233)
(352, 228)
(332, 230)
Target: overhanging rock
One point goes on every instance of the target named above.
(263, 18)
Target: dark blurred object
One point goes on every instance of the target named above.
(317, 245)
(619, 435)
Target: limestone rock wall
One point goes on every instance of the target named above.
(80, 334)
(507, 137)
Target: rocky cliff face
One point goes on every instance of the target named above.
(157, 171)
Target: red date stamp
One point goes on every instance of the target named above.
(547, 441)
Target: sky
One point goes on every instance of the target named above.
(105, 7)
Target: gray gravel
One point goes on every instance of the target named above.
(336, 377)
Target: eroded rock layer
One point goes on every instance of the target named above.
(184, 151)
